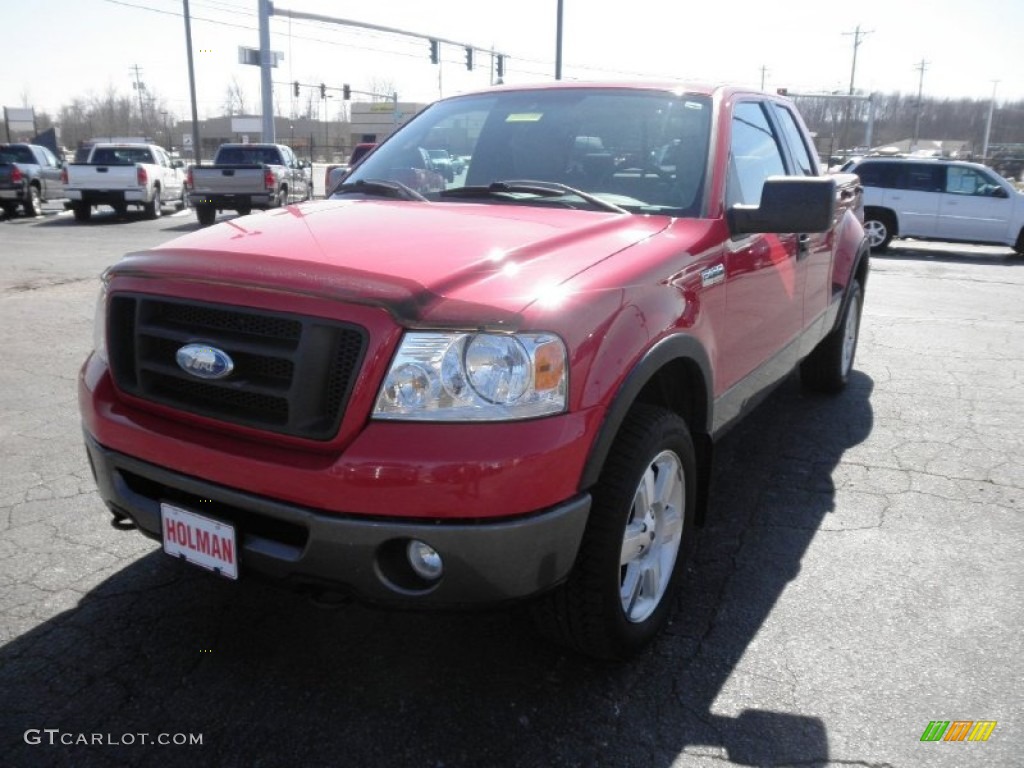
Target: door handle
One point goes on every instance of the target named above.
(803, 246)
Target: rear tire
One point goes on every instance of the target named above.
(33, 205)
(622, 588)
(1019, 245)
(82, 211)
(9, 210)
(880, 227)
(206, 214)
(827, 368)
(154, 208)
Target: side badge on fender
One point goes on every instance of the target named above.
(712, 275)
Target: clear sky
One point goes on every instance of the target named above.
(55, 50)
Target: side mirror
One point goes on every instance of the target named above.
(1000, 192)
(177, 163)
(788, 204)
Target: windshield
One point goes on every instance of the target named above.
(642, 150)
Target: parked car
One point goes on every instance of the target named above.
(938, 199)
(30, 175)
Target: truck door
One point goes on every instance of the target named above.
(815, 248)
(49, 175)
(764, 278)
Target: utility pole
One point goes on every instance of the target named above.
(764, 71)
(196, 155)
(917, 113)
(857, 34)
(988, 123)
(139, 88)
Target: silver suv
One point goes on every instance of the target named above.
(936, 199)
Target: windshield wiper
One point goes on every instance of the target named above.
(380, 188)
(531, 187)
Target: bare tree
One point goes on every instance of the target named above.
(382, 88)
(234, 99)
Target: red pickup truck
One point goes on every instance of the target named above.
(438, 393)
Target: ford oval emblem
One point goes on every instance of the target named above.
(204, 361)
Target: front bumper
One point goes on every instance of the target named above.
(485, 562)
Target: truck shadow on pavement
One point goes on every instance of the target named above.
(270, 679)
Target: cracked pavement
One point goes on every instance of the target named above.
(860, 575)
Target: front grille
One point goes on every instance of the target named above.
(292, 374)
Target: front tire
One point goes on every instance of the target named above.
(622, 588)
(880, 228)
(827, 368)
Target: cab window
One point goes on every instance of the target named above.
(795, 139)
(755, 155)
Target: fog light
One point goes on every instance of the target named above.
(424, 559)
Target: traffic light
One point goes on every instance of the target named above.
(500, 65)
(469, 57)
(435, 52)
(296, 89)
(323, 91)
(346, 92)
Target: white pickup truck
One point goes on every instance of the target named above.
(120, 175)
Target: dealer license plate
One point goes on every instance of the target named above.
(208, 543)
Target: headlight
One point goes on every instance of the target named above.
(99, 324)
(438, 376)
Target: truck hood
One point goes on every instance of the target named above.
(426, 263)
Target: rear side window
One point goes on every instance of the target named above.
(925, 178)
(883, 175)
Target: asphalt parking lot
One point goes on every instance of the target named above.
(860, 575)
